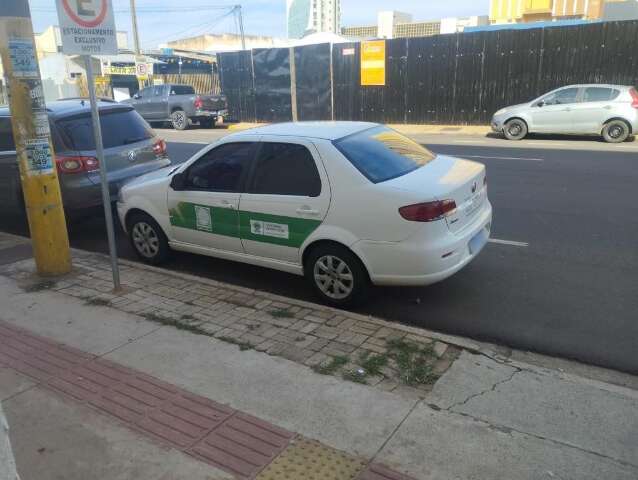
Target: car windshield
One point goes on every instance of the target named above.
(381, 154)
(119, 127)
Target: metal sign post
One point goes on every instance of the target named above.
(99, 150)
(88, 28)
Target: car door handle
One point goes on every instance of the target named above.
(607, 107)
(307, 211)
(227, 204)
(567, 109)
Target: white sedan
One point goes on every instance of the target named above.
(346, 204)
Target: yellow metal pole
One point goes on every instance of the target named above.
(33, 140)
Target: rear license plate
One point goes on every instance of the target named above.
(478, 241)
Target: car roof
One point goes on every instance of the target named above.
(325, 130)
(604, 85)
(73, 106)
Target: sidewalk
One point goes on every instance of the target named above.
(184, 378)
(407, 129)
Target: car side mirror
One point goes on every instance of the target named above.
(178, 181)
(541, 103)
(137, 96)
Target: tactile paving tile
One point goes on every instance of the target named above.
(309, 460)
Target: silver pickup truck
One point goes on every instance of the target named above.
(178, 104)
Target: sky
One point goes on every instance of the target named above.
(261, 17)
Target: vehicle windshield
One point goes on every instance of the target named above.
(381, 154)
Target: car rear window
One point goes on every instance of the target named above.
(6, 135)
(119, 127)
(381, 154)
(182, 90)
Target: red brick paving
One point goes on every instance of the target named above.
(213, 433)
(376, 471)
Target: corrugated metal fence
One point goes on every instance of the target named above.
(459, 78)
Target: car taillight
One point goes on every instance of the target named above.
(159, 148)
(428, 211)
(634, 97)
(198, 103)
(72, 164)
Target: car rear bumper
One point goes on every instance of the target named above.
(209, 113)
(80, 192)
(418, 262)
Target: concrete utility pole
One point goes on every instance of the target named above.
(32, 137)
(240, 20)
(136, 37)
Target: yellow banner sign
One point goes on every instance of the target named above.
(113, 70)
(373, 62)
(101, 79)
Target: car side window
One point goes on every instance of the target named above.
(286, 169)
(221, 169)
(567, 95)
(145, 92)
(6, 135)
(158, 90)
(599, 94)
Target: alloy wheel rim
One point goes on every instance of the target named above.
(333, 277)
(615, 131)
(179, 119)
(145, 239)
(515, 129)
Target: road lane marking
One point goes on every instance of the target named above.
(503, 158)
(469, 141)
(512, 243)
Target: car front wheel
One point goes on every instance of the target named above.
(615, 131)
(515, 129)
(337, 275)
(147, 239)
(179, 120)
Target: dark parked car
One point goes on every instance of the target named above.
(179, 105)
(131, 148)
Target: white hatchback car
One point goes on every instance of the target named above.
(343, 203)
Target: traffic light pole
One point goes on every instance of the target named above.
(32, 136)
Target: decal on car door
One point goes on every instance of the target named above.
(260, 227)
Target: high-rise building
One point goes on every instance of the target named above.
(312, 16)
(523, 11)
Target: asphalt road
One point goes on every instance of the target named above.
(563, 279)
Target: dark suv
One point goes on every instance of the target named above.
(131, 148)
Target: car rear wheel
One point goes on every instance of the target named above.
(337, 275)
(179, 120)
(616, 131)
(147, 239)
(515, 129)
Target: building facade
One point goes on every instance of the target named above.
(393, 24)
(523, 11)
(221, 42)
(304, 17)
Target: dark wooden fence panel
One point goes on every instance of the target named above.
(458, 78)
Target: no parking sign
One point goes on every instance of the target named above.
(87, 27)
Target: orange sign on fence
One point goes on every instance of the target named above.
(373, 62)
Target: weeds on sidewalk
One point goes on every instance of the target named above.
(372, 364)
(39, 286)
(332, 366)
(97, 301)
(415, 363)
(242, 345)
(281, 313)
(356, 376)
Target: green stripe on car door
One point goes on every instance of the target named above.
(259, 227)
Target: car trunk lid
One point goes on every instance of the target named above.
(448, 178)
